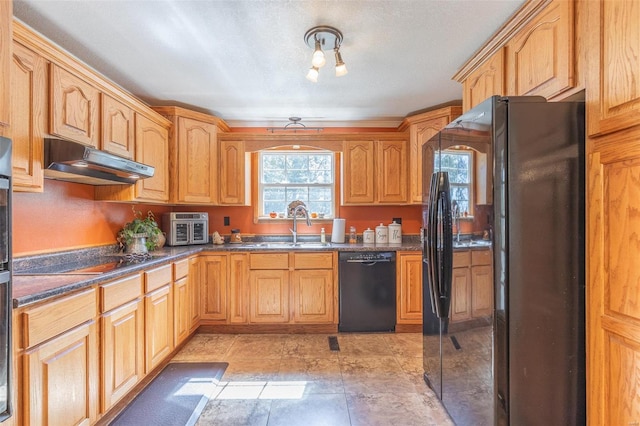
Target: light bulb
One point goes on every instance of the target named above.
(312, 75)
(318, 59)
(341, 68)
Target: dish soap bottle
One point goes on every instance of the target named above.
(323, 238)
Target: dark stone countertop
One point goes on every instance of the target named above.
(46, 281)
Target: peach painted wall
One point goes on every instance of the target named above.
(65, 216)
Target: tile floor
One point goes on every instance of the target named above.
(375, 379)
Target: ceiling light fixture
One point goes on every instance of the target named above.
(318, 37)
(295, 125)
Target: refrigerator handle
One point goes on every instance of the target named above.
(440, 244)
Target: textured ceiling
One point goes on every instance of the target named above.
(245, 60)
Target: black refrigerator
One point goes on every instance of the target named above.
(526, 366)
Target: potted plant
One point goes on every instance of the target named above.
(141, 235)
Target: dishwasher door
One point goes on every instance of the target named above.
(367, 291)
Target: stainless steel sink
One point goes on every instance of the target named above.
(472, 243)
(287, 245)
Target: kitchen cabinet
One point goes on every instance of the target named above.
(74, 108)
(613, 98)
(313, 287)
(28, 118)
(194, 284)
(269, 287)
(238, 288)
(540, 57)
(159, 316)
(6, 16)
(485, 81)
(234, 180)
(60, 362)
(375, 172)
(181, 301)
(421, 128)
(409, 288)
(121, 337)
(472, 285)
(612, 225)
(118, 128)
(152, 148)
(214, 283)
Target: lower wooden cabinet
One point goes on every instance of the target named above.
(158, 312)
(60, 384)
(238, 288)
(409, 288)
(213, 291)
(122, 360)
(269, 296)
(194, 292)
(181, 322)
(312, 296)
(460, 290)
(472, 287)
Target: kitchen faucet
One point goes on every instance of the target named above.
(455, 210)
(294, 231)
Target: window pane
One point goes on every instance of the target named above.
(273, 176)
(459, 166)
(273, 194)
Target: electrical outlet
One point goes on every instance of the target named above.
(397, 220)
(226, 221)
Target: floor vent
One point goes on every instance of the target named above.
(333, 343)
(455, 343)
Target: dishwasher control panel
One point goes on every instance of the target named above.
(367, 256)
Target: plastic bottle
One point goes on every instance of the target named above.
(352, 235)
(323, 238)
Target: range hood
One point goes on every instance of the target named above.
(74, 162)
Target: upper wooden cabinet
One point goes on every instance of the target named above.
(28, 118)
(74, 108)
(540, 57)
(118, 128)
(375, 172)
(233, 177)
(421, 128)
(486, 81)
(193, 153)
(613, 98)
(6, 13)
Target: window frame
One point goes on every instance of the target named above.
(471, 173)
(333, 186)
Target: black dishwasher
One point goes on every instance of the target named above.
(367, 291)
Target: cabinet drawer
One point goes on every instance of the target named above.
(180, 269)
(119, 292)
(313, 260)
(481, 257)
(50, 319)
(156, 278)
(461, 258)
(269, 261)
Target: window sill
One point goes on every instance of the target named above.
(290, 219)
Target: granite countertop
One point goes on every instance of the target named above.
(37, 278)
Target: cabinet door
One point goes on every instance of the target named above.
(194, 284)
(181, 310)
(391, 172)
(481, 291)
(214, 288)
(74, 108)
(232, 173)
(409, 289)
(487, 80)
(158, 309)
(460, 295)
(613, 95)
(358, 172)
(61, 379)
(238, 288)
(6, 14)
(312, 296)
(152, 148)
(269, 296)
(122, 361)
(118, 129)
(197, 162)
(28, 118)
(540, 58)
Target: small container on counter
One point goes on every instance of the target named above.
(395, 233)
(369, 236)
(382, 234)
(235, 236)
(352, 235)
(323, 236)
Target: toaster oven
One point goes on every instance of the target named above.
(184, 229)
